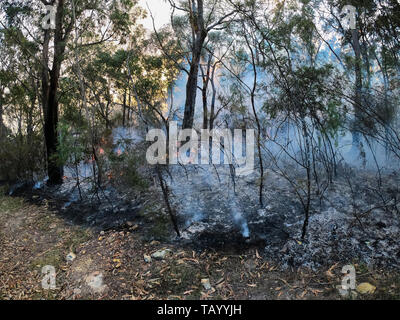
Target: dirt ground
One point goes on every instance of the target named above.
(111, 265)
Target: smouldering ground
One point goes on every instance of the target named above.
(111, 265)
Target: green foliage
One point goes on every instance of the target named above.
(125, 168)
(311, 95)
(72, 144)
(20, 158)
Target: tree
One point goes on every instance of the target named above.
(204, 16)
(89, 16)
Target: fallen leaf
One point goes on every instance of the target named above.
(188, 292)
(366, 288)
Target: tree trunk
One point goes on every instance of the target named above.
(358, 88)
(124, 110)
(253, 105)
(191, 86)
(307, 165)
(214, 97)
(55, 170)
(29, 130)
(206, 81)
(164, 188)
(199, 36)
(50, 85)
(2, 131)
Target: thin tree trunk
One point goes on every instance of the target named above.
(253, 105)
(166, 199)
(206, 81)
(308, 169)
(213, 99)
(29, 130)
(191, 86)
(358, 87)
(2, 131)
(124, 110)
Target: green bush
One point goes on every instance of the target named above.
(20, 159)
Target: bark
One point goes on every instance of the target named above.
(129, 104)
(357, 105)
(2, 131)
(29, 127)
(191, 86)
(164, 188)
(199, 33)
(307, 164)
(214, 97)
(206, 81)
(50, 86)
(55, 171)
(124, 110)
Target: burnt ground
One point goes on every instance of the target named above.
(111, 241)
(355, 219)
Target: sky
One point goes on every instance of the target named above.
(160, 10)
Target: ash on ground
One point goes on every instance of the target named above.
(354, 219)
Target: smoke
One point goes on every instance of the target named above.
(370, 154)
(238, 218)
(123, 137)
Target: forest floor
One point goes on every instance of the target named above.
(111, 265)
